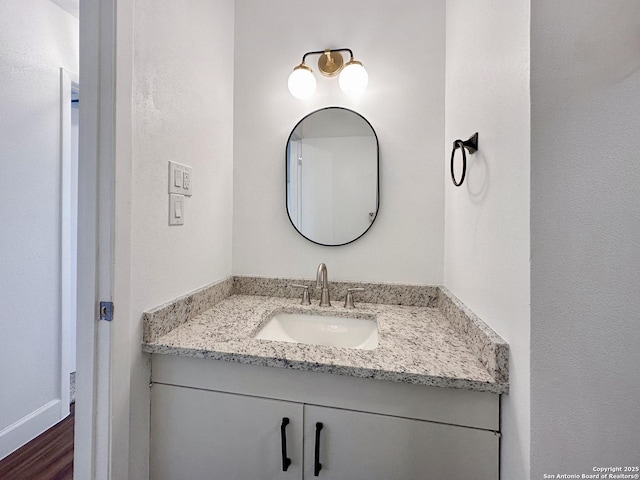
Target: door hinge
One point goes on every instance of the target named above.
(106, 311)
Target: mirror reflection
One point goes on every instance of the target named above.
(332, 176)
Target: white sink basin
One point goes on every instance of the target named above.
(321, 330)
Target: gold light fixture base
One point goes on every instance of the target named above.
(330, 63)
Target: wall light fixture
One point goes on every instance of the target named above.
(353, 77)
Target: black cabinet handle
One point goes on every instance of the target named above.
(283, 438)
(317, 466)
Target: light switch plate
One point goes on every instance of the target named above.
(176, 209)
(180, 179)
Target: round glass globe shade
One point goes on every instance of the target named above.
(353, 79)
(302, 83)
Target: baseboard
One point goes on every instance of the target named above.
(29, 427)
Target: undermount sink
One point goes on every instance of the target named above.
(314, 329)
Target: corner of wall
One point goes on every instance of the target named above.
(487, 244)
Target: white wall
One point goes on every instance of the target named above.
(585, 235)
(402, 46)
(183, 111)
(36, 38)
(487, 218)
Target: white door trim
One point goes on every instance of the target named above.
(68, 209)
(95, 192)
(104, 225)
(86, 431)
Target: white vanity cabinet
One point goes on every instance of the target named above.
(222, 421)
(365, 446)
(203, 435)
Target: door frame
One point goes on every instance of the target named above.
(104, 226)
(68, 208)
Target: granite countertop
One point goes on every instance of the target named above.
(417, 344)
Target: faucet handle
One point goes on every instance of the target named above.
(348, 301)
(305, 294)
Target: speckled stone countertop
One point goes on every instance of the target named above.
(417, 344)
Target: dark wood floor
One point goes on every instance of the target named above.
(47, 457)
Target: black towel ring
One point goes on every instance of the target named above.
(472, 146)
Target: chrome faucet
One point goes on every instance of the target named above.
(322, 280)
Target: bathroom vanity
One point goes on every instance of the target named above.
(424, 403)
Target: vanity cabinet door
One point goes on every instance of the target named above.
(365, 446)
(198, 435)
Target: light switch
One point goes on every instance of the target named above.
(177, 178)
(176, 209)
(180, 179)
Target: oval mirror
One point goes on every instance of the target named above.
(332, 176)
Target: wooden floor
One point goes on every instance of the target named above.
(47, 457)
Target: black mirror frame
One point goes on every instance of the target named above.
(286, 177)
